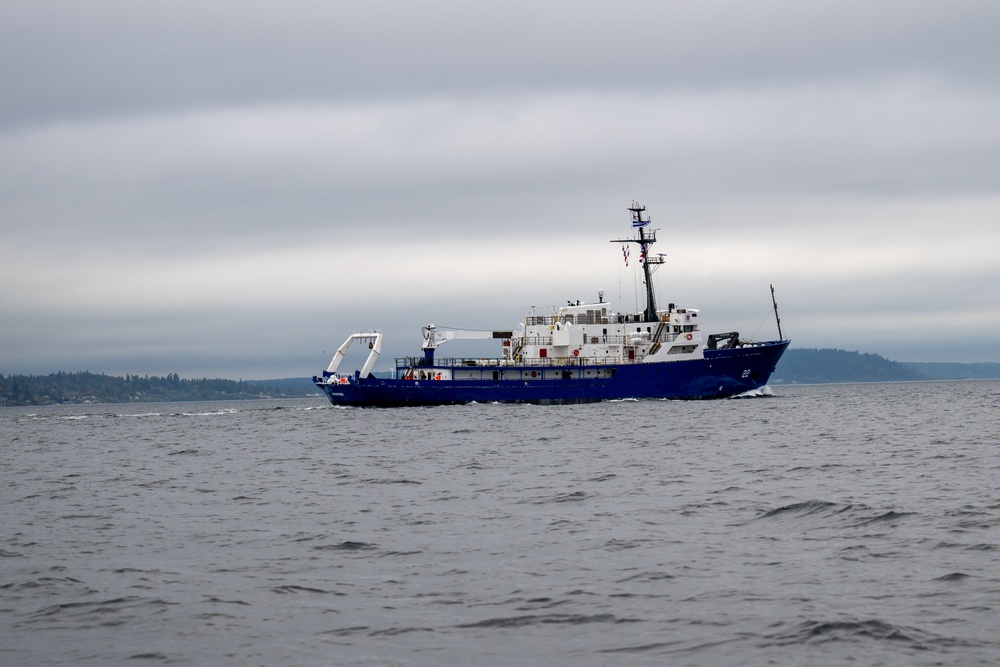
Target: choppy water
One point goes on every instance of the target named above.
(851, 524)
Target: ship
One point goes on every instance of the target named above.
(577, 353)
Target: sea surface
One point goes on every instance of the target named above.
(813, 525)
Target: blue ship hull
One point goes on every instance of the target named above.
(722, 373)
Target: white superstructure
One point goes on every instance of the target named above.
(594, 334)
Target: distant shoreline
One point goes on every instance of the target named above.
(803, 366)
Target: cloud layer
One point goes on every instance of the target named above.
(232, 189)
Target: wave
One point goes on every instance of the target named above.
(100, 612)
(542, 619)
(568, 497)
(373, 480)
(293, 589)
(346, 546)
(212, 413)
(851, 514)
(759, 392)
(819, 632)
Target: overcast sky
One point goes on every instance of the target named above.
(229, 189)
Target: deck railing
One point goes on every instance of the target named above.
(404, 363)
(583, 318)
(663, 336)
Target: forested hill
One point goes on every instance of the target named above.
(84, 387)
(811, 366)
(954, 371)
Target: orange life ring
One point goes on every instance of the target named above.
(576, 353)
(690, 336)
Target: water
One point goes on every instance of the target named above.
(835, 525)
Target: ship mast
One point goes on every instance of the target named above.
(649, 263)
(776, 316)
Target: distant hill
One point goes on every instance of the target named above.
(85, 387)
(954, 371)
(813, 366)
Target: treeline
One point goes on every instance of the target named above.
(812, 366)
(86, 387)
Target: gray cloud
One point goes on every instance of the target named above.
(114, 57)
(231, 186)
